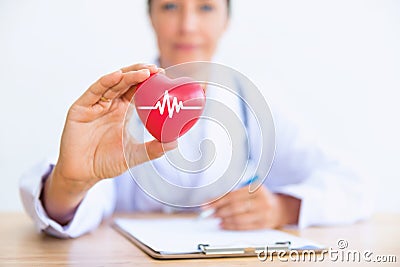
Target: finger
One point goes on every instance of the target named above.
(233, 196)
(95, 92)
(140, 153)
(151, 67)
(98, 89)
(128, 80)
(156, 149)
(131, 91)
(236, 207)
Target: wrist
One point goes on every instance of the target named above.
(61, 197)
(71, 187)
(290, 208)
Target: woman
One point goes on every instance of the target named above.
(68, 200)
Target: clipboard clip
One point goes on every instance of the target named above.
(218, 250)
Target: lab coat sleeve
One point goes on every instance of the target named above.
(330, 192)
(98, 203)
(329, 198)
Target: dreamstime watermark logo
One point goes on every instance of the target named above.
(341, 254)
(232, 141)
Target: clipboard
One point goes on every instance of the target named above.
(140, 233)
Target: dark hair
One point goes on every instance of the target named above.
(228, 2)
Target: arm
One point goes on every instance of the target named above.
(91, 145)
(303, 187)
(60, 197)
(241, 210)
(330, 192)
(98, 203)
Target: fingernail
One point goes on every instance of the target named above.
(170, 145)
(146, 71)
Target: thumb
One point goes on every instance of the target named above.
(140, 153)
(156, 149)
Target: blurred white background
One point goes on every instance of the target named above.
(334, 66)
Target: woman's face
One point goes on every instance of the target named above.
(188, 30)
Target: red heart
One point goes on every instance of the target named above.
(169, 107)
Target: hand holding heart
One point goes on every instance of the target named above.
(91, 144)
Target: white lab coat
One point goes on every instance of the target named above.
(329, 193)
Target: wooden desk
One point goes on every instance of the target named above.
(21, 245)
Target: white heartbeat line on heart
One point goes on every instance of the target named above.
(174, 106)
